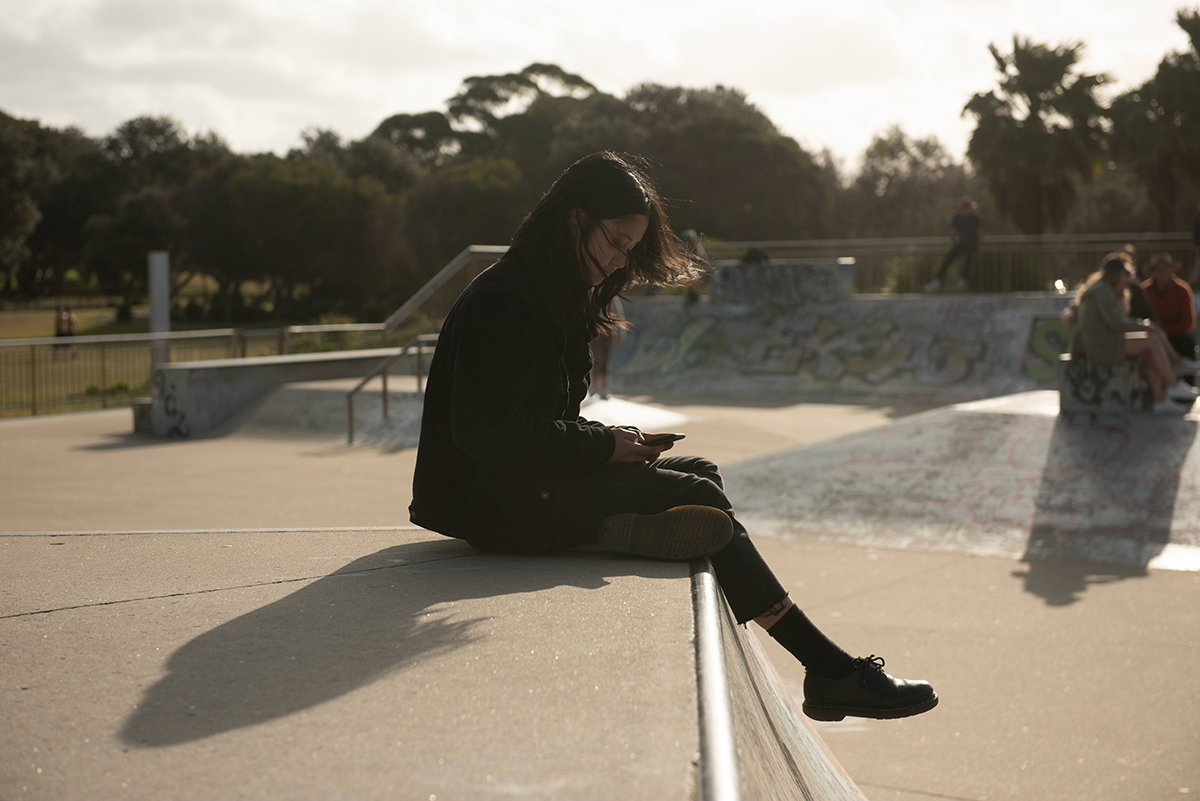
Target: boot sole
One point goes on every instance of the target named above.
(678, 534)
(834, 713)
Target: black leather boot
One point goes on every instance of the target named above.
(679, 534)
(868, 692)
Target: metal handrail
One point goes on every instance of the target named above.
(203, 333)
(381, 369)
(438, 281)
(109, 339)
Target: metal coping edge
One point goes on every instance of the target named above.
(719, 780)
(280, 530)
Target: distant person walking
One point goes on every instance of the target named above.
(602, 347)
(967, 239)
(66, 324)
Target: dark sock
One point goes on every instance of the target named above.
(819, 655)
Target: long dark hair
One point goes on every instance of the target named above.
(603, 186)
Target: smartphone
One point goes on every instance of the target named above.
(663, 440)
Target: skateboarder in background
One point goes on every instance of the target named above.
(967, 239)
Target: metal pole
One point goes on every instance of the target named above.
(350, 419)
(103, 380)
(420, 369)
(33, 379)
(385, 408)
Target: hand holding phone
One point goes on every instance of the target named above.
(663, 440)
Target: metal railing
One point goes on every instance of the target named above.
(432, 302)
(1006, 263)
(50, 374)
(409, 349)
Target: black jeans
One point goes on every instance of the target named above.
(965, 249)
(748, 583)
(1183, 344)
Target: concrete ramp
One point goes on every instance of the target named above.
(959, 347)
(1004, 476)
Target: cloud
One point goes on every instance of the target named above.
(259, 71)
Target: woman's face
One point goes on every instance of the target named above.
(610, 242)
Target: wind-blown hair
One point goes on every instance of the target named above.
(602, 186)
(1111, 266)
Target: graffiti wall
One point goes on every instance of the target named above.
(977, 344)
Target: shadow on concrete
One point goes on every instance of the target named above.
(313, 411)
(343, 632)
(1105, 504)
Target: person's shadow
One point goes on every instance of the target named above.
(1105, 504)
(374, 617)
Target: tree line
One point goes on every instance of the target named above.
(355, 227)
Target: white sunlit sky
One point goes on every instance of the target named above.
(258, 72)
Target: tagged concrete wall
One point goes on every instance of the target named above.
(963, 345)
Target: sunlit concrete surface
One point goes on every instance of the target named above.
(1002, 477)
(315, 665)
(1062, 673)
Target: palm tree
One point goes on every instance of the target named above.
(1156, 127)
(1041, 133)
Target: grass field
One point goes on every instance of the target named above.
(32, 323)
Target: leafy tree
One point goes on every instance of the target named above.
(118, 243)
(464, 204)
(1115, 202)
(428, 137)
(156, 151)
(312, 239)
(905, 187)
(1156, 128)
(88, 184)
(728, 168)
(487, 99)
(25, 169)
(1039, 135)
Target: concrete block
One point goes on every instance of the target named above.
(143, 415)
(1099, 388)
(193, 398)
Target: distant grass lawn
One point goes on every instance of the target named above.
(32, 323)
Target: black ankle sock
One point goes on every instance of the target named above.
(795, 632)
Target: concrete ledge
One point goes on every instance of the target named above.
(192, 398)
(380, 664)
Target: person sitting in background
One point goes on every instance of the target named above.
(1108, 335)
(1139, 307)
(1172, 301)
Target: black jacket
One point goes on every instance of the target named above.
(501, 424)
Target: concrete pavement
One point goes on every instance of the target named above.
(1088, 698)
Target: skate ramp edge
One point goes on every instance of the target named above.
(754, 742)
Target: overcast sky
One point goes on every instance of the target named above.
(258, 72)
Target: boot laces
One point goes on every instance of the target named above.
(869, 663)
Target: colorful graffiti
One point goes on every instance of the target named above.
(1049, 337)
(976, 343)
